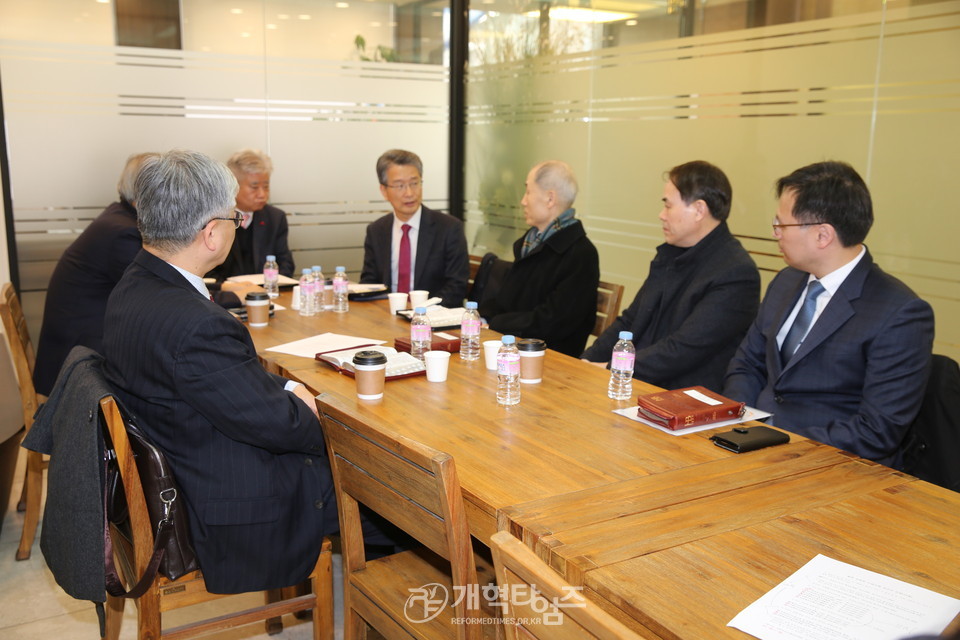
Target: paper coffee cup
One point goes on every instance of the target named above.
(258, 308)
(531, 351)
(419, 298)
(437, 363)
(490, 349)
(398, 302)
(370, 369)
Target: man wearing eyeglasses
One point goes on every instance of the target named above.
(414, 247)
(245, 446)
(263, 229)
(840, 350)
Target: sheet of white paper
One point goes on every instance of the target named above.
(365, 288)
(257, 278)
(310, 347)
(826, 599)
(749, 414)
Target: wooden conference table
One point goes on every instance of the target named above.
(671, 534)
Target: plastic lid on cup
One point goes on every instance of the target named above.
(626, 335)
(369, 358)
(271, 258)
(531, 344)
(508, 340)
(257, 295)
(471, 305)
(420, 310)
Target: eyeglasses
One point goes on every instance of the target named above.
(237, 220)
(400, 187)
(777, 226)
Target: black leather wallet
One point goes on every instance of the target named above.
(743, 439)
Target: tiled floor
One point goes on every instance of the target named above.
(33, 607)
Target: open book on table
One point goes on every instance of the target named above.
(399, 365)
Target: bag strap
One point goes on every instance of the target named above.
(114, 585)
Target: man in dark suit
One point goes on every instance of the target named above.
(702, 291)
(83, 279)
(264, 228)
(840, 350)
(550, 291)
(414, 247)
(244, 445)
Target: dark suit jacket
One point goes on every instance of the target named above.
(690, 314)
(857, 380)
(79, 287)
(550, 294)
(442, 264)
(249, 456)
(269, 228)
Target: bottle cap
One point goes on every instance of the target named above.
(508, 340)
(471, 305)
(306, 272)
(420, 310)
(271, 258)
(341, 268)
(626, 335)
(316, 267)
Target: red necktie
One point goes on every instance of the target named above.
(403, 263)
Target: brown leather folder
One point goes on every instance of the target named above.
(688, 407)
(438, 343)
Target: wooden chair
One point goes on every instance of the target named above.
(530, 592)
(416, 488)
(21, 349)
(166, 595)
(609, 297)
(474, 265)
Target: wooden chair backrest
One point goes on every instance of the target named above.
(21, 349)
(141, 529)
(528, 587)
(474, 265)
(609, 297)
(411, 485)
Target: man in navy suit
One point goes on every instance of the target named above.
(245, 446)
(840, 350)
(264, 228)
(414, 247)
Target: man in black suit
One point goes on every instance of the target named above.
(840, 350)
(414, 247)
(264, 228)
(550, 291)
(244, 445)
(83, 279)
(702, 291)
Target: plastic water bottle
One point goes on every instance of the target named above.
(470, 333)
(421, 333)
(341, 303)
(621, 368)
(318, 286)
(306, 293)
(271, 276)
(508, 372)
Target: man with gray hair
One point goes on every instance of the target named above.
(245, 446)
(264, 229)
(83, 279)
(550, 291)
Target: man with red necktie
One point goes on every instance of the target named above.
(414, 247)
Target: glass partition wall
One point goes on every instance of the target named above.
(625, 89)
(323, 86)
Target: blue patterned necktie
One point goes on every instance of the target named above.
(801, 324)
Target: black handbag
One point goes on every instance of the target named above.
(173, 554)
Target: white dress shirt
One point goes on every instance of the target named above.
(414, 234)
(831, 282)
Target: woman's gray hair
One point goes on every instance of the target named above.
(126, 186)
(248, 161)
(557, 176)
(178, 193)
